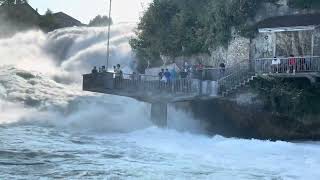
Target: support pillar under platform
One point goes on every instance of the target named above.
(159, 114)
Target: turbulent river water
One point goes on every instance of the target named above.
(50, 129)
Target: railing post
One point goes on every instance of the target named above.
(159, 114)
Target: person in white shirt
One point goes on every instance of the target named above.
(275, 65)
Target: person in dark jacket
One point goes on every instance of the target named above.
(94, 70)
(161, 74)
(222, 69)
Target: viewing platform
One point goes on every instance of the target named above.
(210, 85)
(149, 88)
(291, 67)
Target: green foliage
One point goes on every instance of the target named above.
(12, 2)
(185, 27)
(296, 98)
(7, 2)
(308, 4)
(100, 21)
(155, 34)
(47, 22)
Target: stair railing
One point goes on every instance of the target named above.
(241, 72)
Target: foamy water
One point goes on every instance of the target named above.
(31, 151)
(50, 129)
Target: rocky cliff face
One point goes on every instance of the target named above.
(232, 119)
(266, 109)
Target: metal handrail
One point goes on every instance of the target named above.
(108, 81)
(288, 65)
(298, 57)
(240, 74)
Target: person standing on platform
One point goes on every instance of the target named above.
(275, 65)
(222, 69)
(161, 74)
(94, 70)
(173, 74)
(292, 64)
(200, 68)
(167, 75)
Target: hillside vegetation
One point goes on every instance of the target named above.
(18, 15)
(183, 28)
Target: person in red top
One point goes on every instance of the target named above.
(200, 68)
(292, 64)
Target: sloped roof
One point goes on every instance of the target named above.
(64, 20)
(290, 21)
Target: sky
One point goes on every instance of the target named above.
(85, 10)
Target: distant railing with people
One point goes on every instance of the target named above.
(196, 81)
(288, 65)
(193, 80)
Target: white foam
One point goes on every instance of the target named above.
(237, 158)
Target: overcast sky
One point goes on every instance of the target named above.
(84, 10)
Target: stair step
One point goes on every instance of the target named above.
(238, 80)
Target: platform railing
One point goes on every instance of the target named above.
(212, 74)
(134, 83)
(288, 65)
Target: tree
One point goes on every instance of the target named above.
(100, 21)
(21, 1)
(47, 22)
(174, 28)
(7, 2)
(48, 12)
(12, 2)
(304, 3)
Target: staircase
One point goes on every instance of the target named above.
(240, 77)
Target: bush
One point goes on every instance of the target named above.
(309, 4)
(100, 21)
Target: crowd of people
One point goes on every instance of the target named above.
(116, 69)
(187, 71)
(102, 69)
(278, 65)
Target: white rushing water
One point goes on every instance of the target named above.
(50, 129)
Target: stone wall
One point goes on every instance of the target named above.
(316, 47)
(237, 51)
(262, 46)
(232, 119)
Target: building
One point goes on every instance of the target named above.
(63, 20)
(282, 36)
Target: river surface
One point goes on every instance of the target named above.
(50, 129)
(36, 152)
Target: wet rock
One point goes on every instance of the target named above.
(25, 75)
